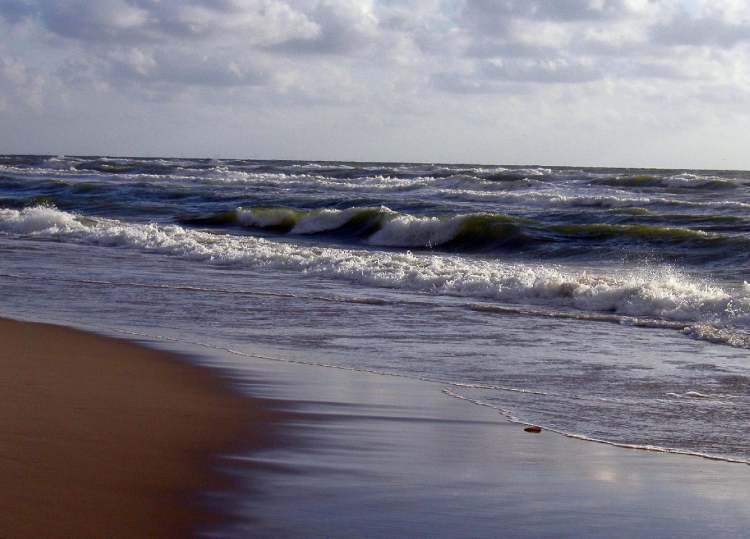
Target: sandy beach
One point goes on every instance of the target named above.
(104, 438)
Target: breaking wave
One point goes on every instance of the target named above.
(679, 181)
(705, 310)
(463, 232)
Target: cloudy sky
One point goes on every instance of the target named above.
(579, 82)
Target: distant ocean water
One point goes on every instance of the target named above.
(608, 304)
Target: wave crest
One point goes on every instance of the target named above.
(473, 231)
(659, 293)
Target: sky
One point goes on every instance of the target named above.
(560, 82)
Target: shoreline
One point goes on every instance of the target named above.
(337, 453)
(380, 456)
(104, 437)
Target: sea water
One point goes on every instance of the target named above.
(606, 304)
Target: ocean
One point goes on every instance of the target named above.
(606, 304)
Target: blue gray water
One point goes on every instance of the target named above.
(609, 304)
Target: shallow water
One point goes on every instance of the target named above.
(597, 302)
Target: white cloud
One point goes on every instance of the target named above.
(21, 87)
(464, 69)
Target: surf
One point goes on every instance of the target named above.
(662, 293)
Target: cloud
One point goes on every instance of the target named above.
(342, 27)
(144, 21)
(182, 68)
(488, 45)
(94, 21)
(684, 29)
(384, 63)
(22, 87)
(551, 71)
(491, 15)
(16, 11)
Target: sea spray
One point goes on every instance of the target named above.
(659, 292)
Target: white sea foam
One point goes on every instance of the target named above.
(39, 219)
(411, 231)
(306, 181)
(698, 395)
(552, 197)
(660, 293)
(510, 416)
(687, 179)
(465, 184)
(734, 336)
(331, 219)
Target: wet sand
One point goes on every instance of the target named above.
(100, 437)
(104, 438)
(383, 456)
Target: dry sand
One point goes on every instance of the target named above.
(105, 438)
